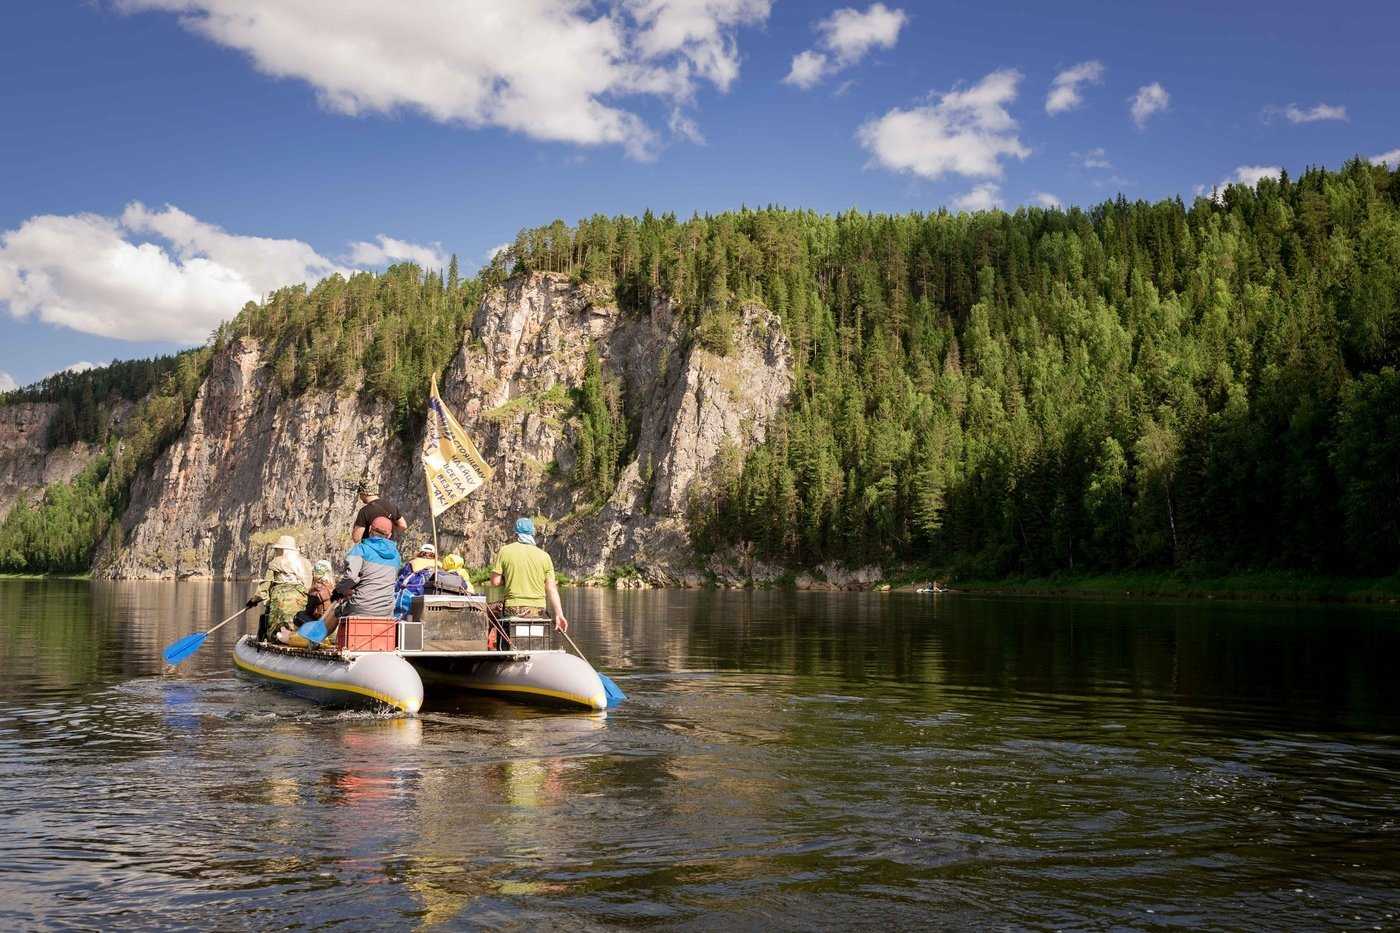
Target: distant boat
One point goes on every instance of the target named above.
(932, 588)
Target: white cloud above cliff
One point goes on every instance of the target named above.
(157, 274)
(983, 197)
(846, 36)
(550, 69)
(1065, 89)
(387, 250)
(967, 132)
(1150, 99)
(1314, 114)
(7, 382)
(1247, 175)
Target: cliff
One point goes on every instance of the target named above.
(26, 463)
(252, 464)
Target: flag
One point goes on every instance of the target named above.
(451, 461)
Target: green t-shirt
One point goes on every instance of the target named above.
(524, 568)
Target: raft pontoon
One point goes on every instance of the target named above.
(441, 649)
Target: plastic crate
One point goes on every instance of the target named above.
(367, 633)
(530, 634)
(450, 623)
(410, 636)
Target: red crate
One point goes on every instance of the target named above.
(367, 633)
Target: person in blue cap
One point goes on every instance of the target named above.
(527, 574)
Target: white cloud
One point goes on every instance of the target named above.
(1248, 175)
(1391, 158)
(550, 69)
(984, 197)
(967, 132)
(7, 382)
(699, 31)
(92, 274)
(685, 127)
(1094, 158)
(81, 366)
(387, 250)
(808, 69)
(1046, 199)
(1064, 90)
(1295, 114)
(1150, 98)
(1251, 175)
(847, 36)
(496, 250)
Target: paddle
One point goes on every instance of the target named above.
(614, 693)
(313, 631)
(188, 645)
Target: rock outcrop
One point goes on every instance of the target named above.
(251, 464)
(26, 463)
(248, 467)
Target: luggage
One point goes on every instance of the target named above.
(448, 582)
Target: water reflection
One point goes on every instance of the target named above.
(785, 759)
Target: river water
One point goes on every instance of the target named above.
(785, 760)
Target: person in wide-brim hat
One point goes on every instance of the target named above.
(283, 587)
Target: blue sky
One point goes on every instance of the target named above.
(163, 160)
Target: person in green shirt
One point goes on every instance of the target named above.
(527, 574)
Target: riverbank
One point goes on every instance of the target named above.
(1268, 585)
(1257, 585)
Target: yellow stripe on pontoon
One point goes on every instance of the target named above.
(540, 691)
(324, 685)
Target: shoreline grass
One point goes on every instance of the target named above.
(1252, 585)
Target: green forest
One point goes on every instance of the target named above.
(1138, 385)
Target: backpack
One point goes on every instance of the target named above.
(449, 582)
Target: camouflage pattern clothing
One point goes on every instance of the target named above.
(284, 586)
(284, 601)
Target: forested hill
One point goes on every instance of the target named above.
(1135, 385)
(1144, 385)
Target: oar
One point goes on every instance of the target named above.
(188, 645)
(615, 694)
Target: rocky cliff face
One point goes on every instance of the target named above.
(26, 466)
(250, 466)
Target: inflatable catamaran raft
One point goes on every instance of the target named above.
(441, 649)
(444, 644)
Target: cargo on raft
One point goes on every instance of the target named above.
(444, 647)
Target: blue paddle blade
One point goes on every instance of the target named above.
(313, 631)
(183, 648)
(615, 695)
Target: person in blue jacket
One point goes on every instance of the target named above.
(371, 567)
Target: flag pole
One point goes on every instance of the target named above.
(432, 513)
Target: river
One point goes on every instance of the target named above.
(785, 760)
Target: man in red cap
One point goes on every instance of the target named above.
(371, 567)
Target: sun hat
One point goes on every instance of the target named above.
(321, 569)
(426, 548)
(367, 487)
(523, 526)
(285, 543)
(382, 525)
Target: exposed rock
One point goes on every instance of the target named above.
(26, 465)
(251, 465)
(846, 578)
